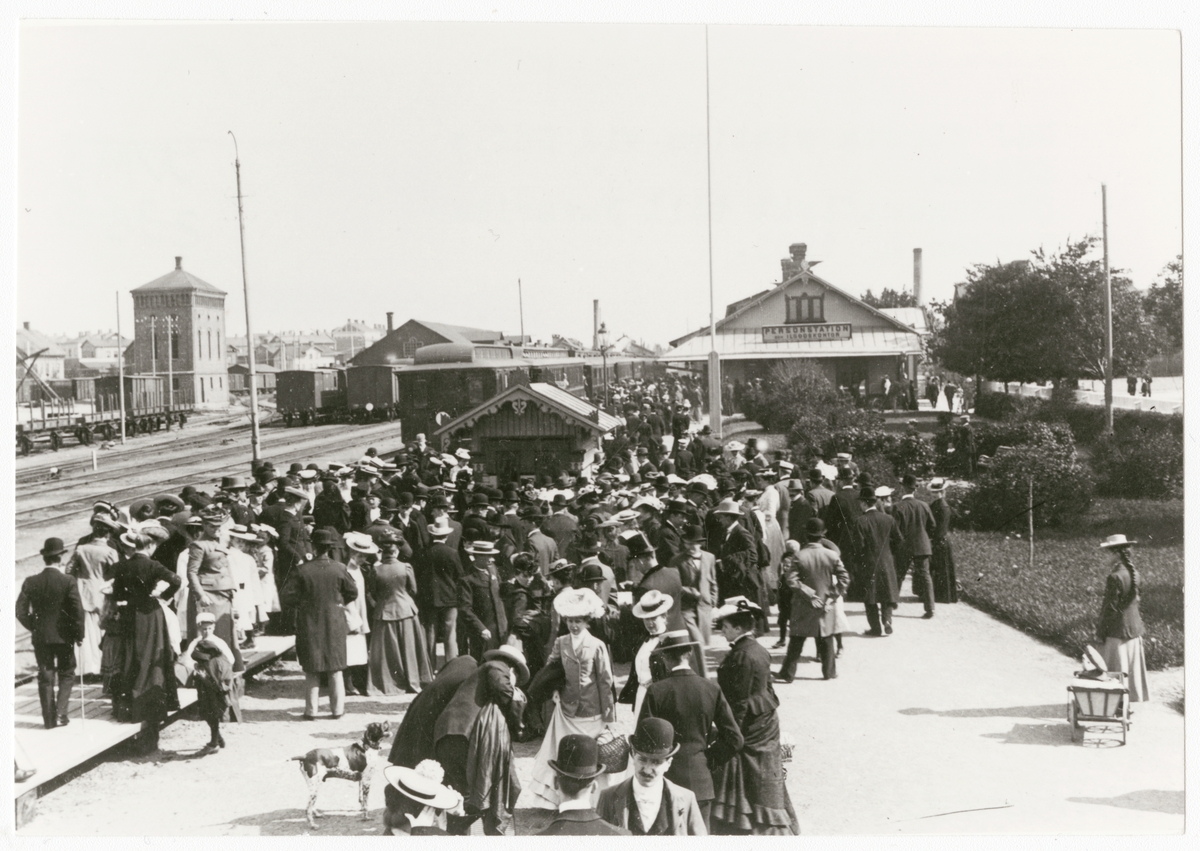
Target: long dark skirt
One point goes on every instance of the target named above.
(398, 659)
(145, 686)
(751, 796)
(941, 569)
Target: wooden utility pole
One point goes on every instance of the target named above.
(714, 359)
(1108, 331)
(521, 309)
(121, 369)
(237, 168)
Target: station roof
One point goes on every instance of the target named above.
(546, 396)
(749, 345)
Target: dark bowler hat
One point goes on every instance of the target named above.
(655, 738)
(578, 757)
(909, 481)
(694, 534)
(559, 501)
(814, 528)
(295, 467)
(589, 573)
(387, 504)
(478, 499)
(866, 493)
(325, 538)
(406, 499)
(53, 547)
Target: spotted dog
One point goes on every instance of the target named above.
(357, 762)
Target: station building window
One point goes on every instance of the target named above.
(805, 308)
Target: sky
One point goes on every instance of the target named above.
(423, 168)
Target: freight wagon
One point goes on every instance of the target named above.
(91, 409)
(310, 396)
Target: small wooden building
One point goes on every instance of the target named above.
(532, 429)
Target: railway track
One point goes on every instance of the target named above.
(200, 470)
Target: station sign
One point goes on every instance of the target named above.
(808, 333)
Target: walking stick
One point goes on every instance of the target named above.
(82, 701)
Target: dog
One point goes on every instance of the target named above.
(357, 762)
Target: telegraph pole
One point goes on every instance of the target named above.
(1108, 331)
(714, 359)
(521, 309)
(237, 168)
(121, 369)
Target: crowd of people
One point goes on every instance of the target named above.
(534, 591)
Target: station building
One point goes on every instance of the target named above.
(805, 317)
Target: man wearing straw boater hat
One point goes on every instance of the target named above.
(576, 769)
(439, 577)
(648, 804)
(705, 729)
(49, 607)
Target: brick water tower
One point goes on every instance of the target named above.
(179, 324)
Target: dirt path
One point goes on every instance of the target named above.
(960, 713)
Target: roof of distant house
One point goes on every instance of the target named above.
(30, 341)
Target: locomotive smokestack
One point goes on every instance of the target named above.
(178, 263)
(917, 276)
(389, 315)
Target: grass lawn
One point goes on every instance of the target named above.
(1058, 600)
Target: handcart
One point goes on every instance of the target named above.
(1098, 697)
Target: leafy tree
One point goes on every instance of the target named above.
(890, 298)
(1164, 306)
(1042, 319)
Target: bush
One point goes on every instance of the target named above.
(1151, 467)
(888, 456)
(1062, 488)
(1003, 406)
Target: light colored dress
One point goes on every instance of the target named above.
(767, 512)
(356, 615)
(585, 706)
(264, 557)
(247, 595)
(90, 564)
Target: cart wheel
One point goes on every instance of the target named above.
(1076, 729)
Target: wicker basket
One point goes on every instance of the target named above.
(614, 752)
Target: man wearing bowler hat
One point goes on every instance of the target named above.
(50, 608)
(576, 769)
(815, 575)
(700, 714)
(648, 804)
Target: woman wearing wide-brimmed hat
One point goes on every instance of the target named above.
(1120, 630)
(426, 800)
(358, 624)
(585, 703)
(653, 609)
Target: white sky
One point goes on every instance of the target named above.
(423, 168)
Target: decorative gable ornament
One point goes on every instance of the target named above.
(518, 406)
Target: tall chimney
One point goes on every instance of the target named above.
(178, 262)
(595, 324)
(389, 315)
(917, 276)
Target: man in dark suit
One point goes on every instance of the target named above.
(561, 525)
(738, 572)
(876, 540)
(648, 804)
(819, 496)
(576, 769)
(317, 592)
(698, 573)
(840, 515)
(658, 577)
(696, 707)
(49, 607)
(670, 535)
(439, 582)
(815, 576)
(915, 521)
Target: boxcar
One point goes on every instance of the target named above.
(308, 396)
(372, 392)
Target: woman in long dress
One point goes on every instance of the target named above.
(92, 566)
(751, 797)
(767, 513)
(264, 557)
(358, 613)
(247, 594)
(145, 685)
(585, 704)
(1120, 630)
(941, 563)
(397, 656)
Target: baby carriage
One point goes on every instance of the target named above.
(1097, 697)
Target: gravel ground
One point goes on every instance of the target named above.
(954, 725)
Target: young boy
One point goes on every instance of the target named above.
(210, 663)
